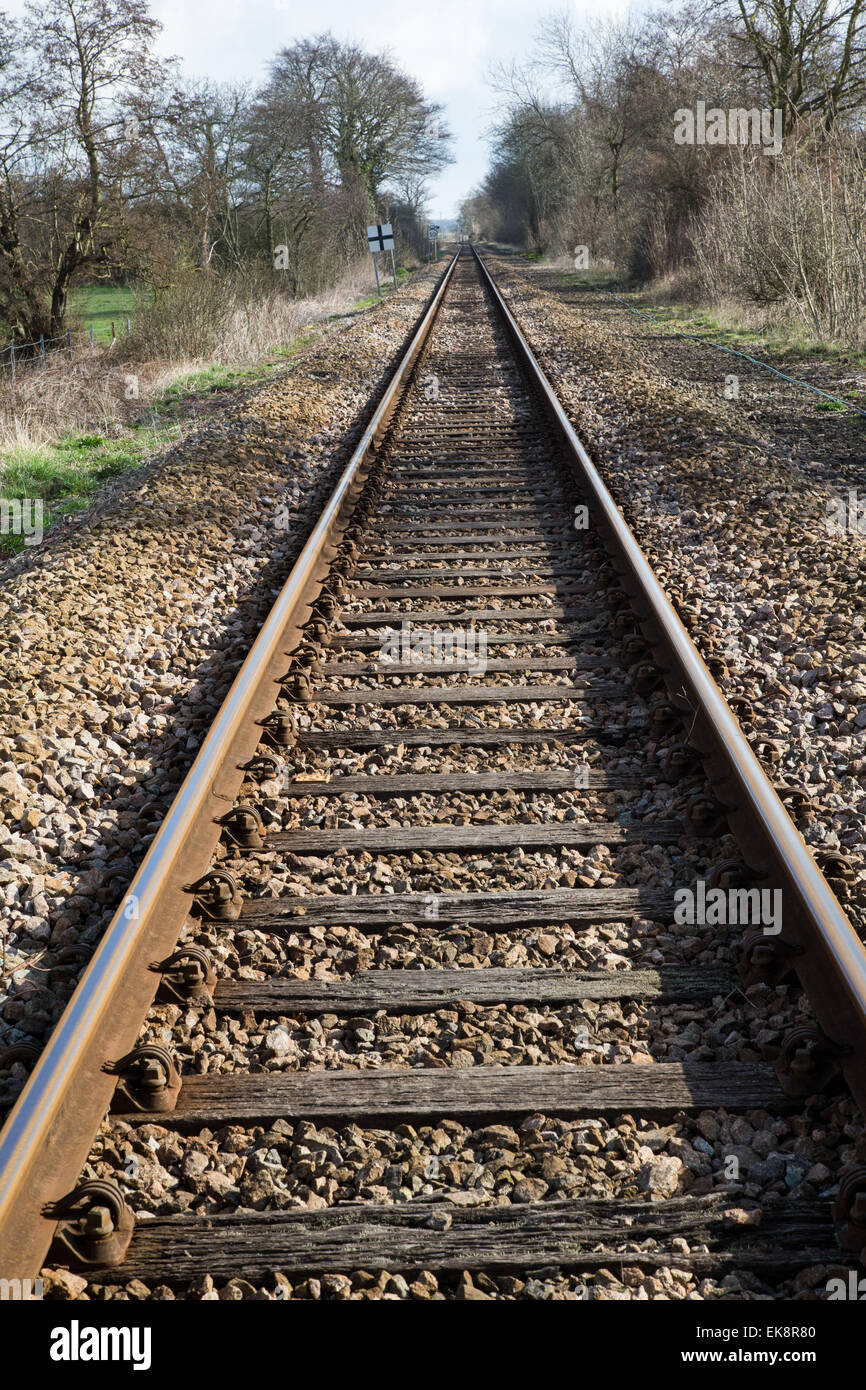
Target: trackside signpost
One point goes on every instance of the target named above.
(381, 238)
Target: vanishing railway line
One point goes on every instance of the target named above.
(472, 715)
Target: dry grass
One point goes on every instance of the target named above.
(206, 322)
(789, 234)
(683, 288)
(234, 318)
(86, 394)
(736, 318)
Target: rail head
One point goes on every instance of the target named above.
(48, 1133)
(832, 960)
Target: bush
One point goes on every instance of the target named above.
(233, 317)
(791, 231)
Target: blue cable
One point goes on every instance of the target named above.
(693, 337)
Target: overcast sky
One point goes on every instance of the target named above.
(448, 45)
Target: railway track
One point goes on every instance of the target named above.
(404, 985)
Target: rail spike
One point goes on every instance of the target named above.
(767, 960)
(809, 1062)
(188, 977)
(94, 1226)
(242, 827)
(263, 767)
(149, 1080)
(849, 1211)
(216, 897)
(279, 730)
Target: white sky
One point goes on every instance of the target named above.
(448, 45)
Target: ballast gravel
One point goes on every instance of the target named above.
(749, 1158)
(744, 508)
(123, 631)
(752, 1158)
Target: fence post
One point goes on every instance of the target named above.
(69, 343)
(128, 326)
(42, 347)
(12, 358)
(90, 326)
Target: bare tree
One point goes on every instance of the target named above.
(65, 150)
(194, 150)
(365, 123)
(111, 165)
(810, 55)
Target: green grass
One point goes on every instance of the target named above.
(193, 387)
(387, 283)
(210, 381)
(367, 303)
(781, 341)
(595, 280)
(778, 340)
(101, 305)
(65, 475)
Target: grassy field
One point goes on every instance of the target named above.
(101, 305)
(97, 304)
(781, 340)
(65, 475)
(66, 472)
(744, 327)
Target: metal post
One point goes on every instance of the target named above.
(376, 268)
(393, 268)
(69, 343)
(128, 326)
(42, 348)
(12, 358)
(90, 326)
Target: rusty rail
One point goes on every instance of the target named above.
(49, 1132)
(817, 939)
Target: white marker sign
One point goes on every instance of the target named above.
(380, 237)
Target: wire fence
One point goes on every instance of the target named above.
(37, 355)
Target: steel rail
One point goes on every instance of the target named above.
(827, 954)
(49, 1132)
